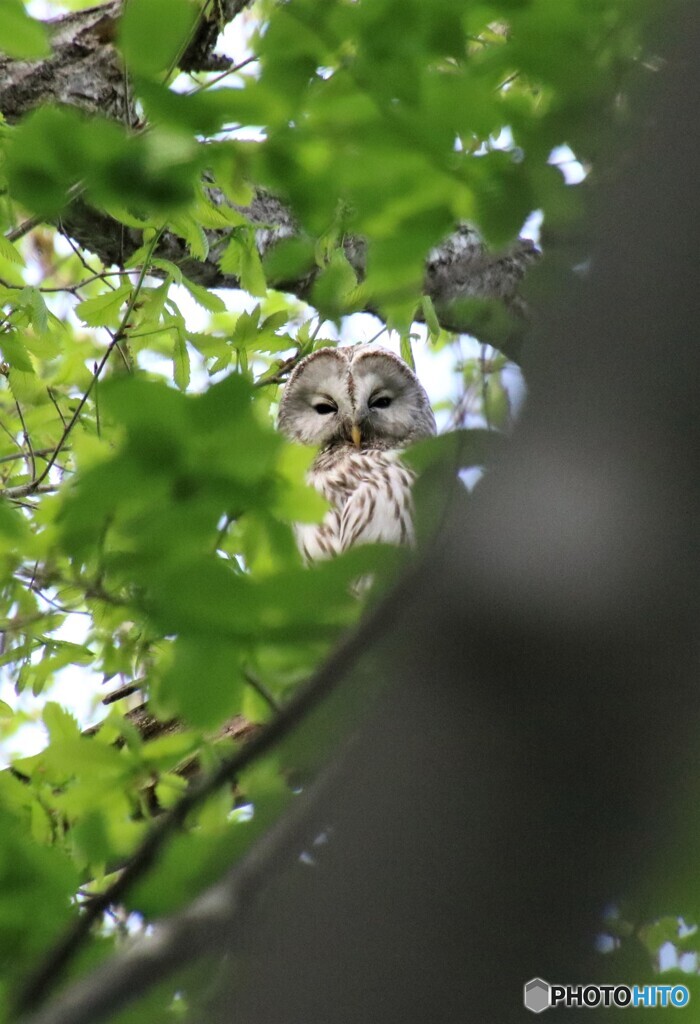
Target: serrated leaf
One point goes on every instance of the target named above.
(333, 288)
(407, 351)
(181, 362)
(431, 320)
(246, 330)
(169, 267)
(61, 724)
(252, 273)
(27, 387)
(193, 233)
(15, 353)
(10, 251)
(241, 259)
(203, 297)
(34, 303)
(103, 309)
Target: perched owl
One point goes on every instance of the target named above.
(360, 406)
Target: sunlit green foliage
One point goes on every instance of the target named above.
(147, 501)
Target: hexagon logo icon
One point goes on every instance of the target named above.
(536, 995)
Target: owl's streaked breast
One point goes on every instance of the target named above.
(370, 494)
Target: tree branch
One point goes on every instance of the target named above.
(200, 928)
(326, 678)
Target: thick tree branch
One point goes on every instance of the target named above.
(459, 269)
(85, 71)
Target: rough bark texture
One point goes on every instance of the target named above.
(85, 72)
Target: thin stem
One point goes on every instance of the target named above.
(119, 335)
(224, 74)
(26, 439)
(260, 688)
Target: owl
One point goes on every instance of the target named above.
(360, 406)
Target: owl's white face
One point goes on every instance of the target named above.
(363, 396)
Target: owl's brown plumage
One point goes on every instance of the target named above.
(361, 406)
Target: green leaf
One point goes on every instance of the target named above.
(15, 353)
(460, 449)
(153, 34)
(241, 259)
(407, 350)
(103, 309)
(216, 695)
(36, 306)
(431, 320)
(5, 710)
(181, 362)
(193, 233)
(21, 37)
(203, 297)
(334, 287)
(9, 251)
(289, 260)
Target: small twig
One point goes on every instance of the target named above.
(262, 690)
(377, 335)
(78, 253)
(222, 532)
(24, 490)
(49, 392)
(27, 440)
(33, 222)
(282, 372)
(39, 453)
(123, 691)
(317, 328)
(224, 74)
(507, 81)
(120, 333)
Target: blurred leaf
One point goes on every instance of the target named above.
(153, 33)
(9, 251)
(21, 37)
(181, 362)
(334, 287)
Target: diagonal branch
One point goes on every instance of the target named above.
(201, 928)
(323, 682)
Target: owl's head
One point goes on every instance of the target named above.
(362, 395)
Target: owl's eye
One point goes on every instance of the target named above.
(383, 402)
(324, 408)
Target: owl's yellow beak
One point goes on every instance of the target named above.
(356, 435)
